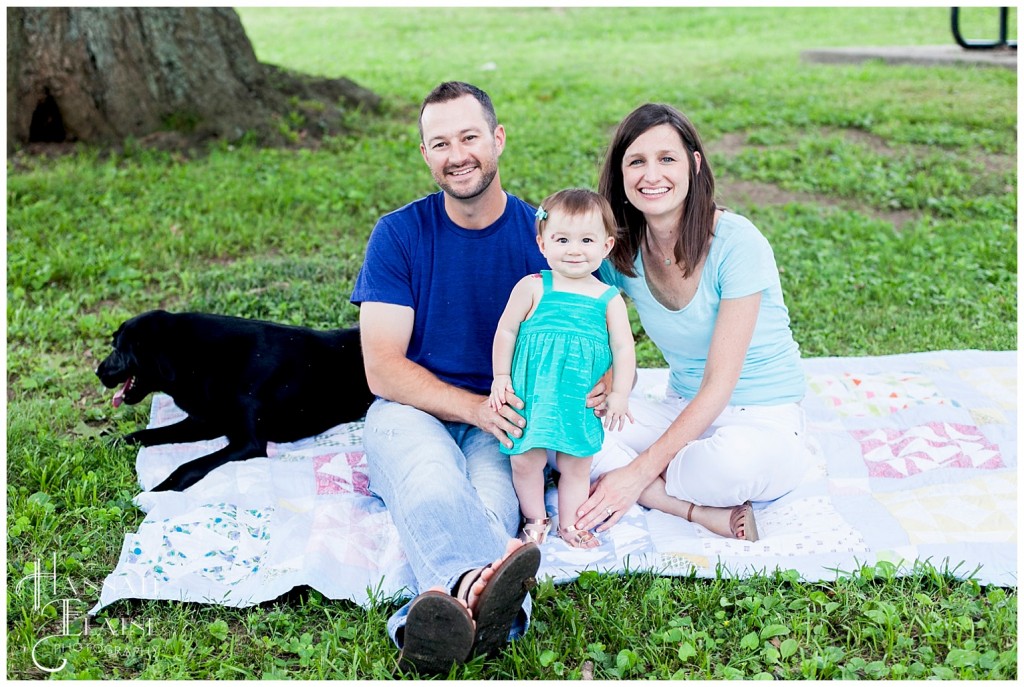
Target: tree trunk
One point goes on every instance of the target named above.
(104, 74)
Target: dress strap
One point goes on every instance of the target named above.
(546, 279)
(608, 295)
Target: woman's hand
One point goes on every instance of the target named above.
(611, 496)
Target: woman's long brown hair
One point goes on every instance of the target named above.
(697, 224)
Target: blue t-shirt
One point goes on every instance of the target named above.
(456, 280)
(740, 262)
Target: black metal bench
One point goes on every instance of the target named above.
(1004, 14)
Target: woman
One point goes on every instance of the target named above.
(706, 287)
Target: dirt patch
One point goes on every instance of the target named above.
(730, 145)
(993, 163)
(870, 141)
(733, 192)
(743, 192)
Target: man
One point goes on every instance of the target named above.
(435, 281)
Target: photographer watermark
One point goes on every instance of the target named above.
(65, 600)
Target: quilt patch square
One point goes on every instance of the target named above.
(219, 542)
(981, 510)
(341, 473)
(852, 394)
(371, 536)
(999, 384)
(897, 453)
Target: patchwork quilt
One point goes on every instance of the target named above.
(915, 459)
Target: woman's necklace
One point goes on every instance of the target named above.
(668, 261)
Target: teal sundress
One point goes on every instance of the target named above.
(561, 352)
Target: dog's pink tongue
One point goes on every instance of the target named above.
(119, 396)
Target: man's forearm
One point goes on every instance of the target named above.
(403, 381)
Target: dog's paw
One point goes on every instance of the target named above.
(179, 480)
(174, 482)
(167, 485)
(138, 437)
(111, 438)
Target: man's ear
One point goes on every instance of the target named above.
(423, 152)
(499, 138)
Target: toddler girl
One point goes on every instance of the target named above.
(558, 335)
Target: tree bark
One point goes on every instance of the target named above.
(104, 74)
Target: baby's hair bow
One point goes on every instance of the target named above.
(542, 214)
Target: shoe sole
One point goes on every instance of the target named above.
(438, 634)
(500, 601)
(750, 526)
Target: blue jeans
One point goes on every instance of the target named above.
(449, 491)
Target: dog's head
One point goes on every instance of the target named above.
(138, 361)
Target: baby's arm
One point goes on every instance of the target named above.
(520, 303)
(620, 336)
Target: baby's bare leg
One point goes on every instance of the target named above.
(528, 479)
(573, 490)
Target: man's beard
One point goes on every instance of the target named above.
(487, 176)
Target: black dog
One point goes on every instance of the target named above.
(248, 380)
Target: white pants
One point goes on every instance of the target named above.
(755, 453)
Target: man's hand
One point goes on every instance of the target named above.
(598, 395)
(611, 496)
(504, 422)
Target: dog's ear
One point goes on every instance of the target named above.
(125, 344)
(156, 324)
(139, 340)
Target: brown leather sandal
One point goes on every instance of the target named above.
(502, 598)
(438, 634)
(745, 510)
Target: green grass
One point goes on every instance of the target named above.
(93, 239)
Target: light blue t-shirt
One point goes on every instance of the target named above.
(740, 262)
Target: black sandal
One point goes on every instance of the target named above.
(438, 634)
(500, 601)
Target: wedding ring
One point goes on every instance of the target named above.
(609, 511)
